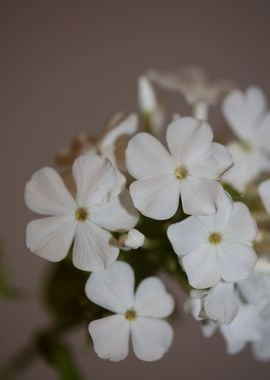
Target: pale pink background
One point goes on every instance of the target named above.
(65, 66)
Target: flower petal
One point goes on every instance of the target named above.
(157, 198)
(218, 161)
(201, 267)
(51, 237)
(241, 227)
(96, 180)
(264, 191)
(117, 215)
(151, 338)
(243, 110)
(220, 303)
(261, 347)
(94, 249)
(189, 140)
(218, 221)
(200, 196)
(46, 194)
(147, 157)
(152, 299)
(111, 337)
(187, 236)
(113, 288)
(236, 260)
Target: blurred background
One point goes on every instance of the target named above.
(65, 67)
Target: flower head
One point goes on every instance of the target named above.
(249, 119)
(190, 168)
(139, 315)
(101, 205)
(216, 247)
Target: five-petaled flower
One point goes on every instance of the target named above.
(139, 315)
(191, 169)
(101, 205)
(216, 247)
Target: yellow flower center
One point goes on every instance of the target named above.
(181, 172)
(130, 315)
(245, 146)
(81, 214)
(215, 238)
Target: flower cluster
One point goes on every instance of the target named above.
(192, 208)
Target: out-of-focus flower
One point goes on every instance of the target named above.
(134, 239)
(191, 169)
(139, 315)
(110, 144)
(194, 85)
(101, 205)
(218, 304)
(249, 119)
(216, 247)
(150, 107)
(264, 191)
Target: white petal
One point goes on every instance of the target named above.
(94, 248)
(157, 198)
(209, 328)
(126, 127)
(117, 215)
(201, 267)
(151, 338)
(111, 337)
(46, 194)
(96, 180)
(146, 157)
(236, 260)
(113, 288)
(218, 161)
(242, 330)
(51, 237)
(242, 111)
(193, 306)
(187, 236)
(218, 221)
(220, 303)
(241, 227)
(263, 133)
(264, 191)
(134, 239)
(152, 299)
(200, 196)
(189, 139)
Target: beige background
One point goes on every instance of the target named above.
(65, 66)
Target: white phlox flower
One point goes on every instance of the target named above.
(100, 205)
(247, 115)
(139, 315)
(264, 191)
(190, 168)
(219, 304)
(216, 247)
(150, 106)
(193, 84)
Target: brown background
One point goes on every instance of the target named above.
(65, 66)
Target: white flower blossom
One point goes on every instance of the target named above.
(264, 191)
(194, 85)
(137, 315)
(191, 169)
(216, 247)
(247, 115)
(101, 205)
